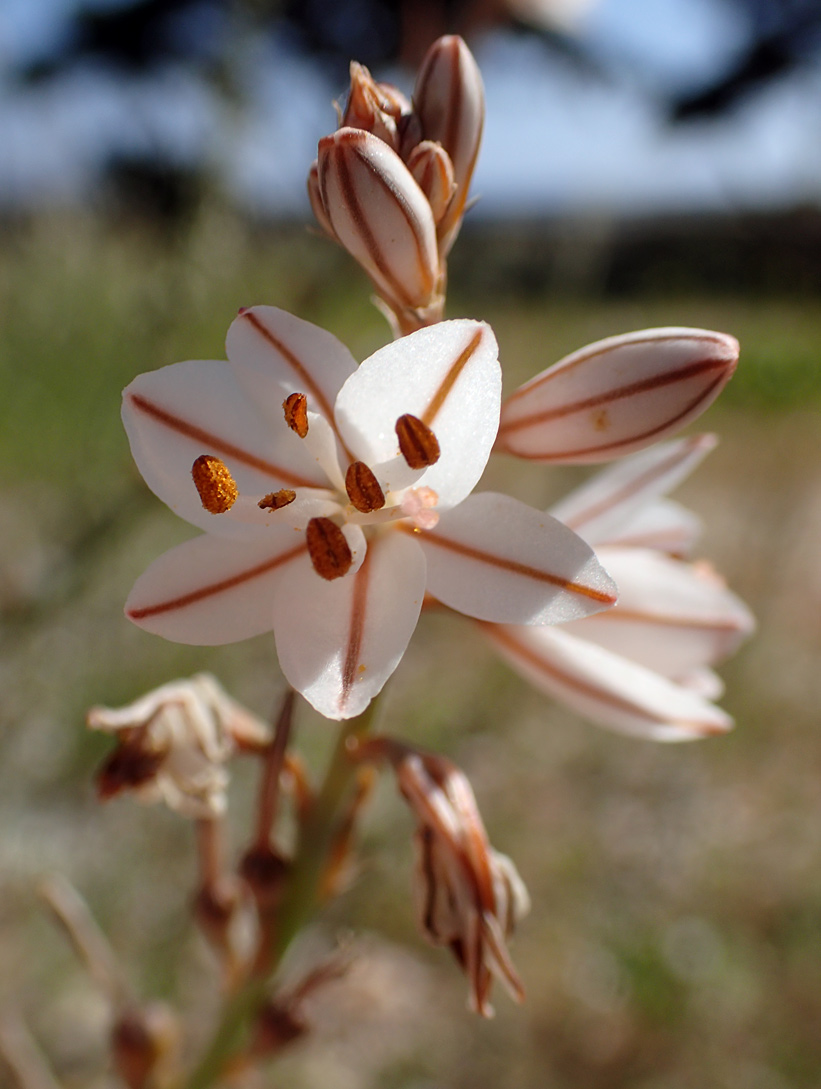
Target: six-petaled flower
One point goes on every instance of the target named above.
(349, 498)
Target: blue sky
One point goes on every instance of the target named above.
(556, 141)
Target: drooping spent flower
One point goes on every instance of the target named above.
(645, 667)
(468, 896)
(173, 745)
(351, 498)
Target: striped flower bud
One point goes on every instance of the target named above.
(450, 103)
(617, 396)
(383, 219)
(374, 107)
(431, 166)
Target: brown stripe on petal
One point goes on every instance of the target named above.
(497, 634)
(303, 373)
(207, 440)
(637, 616)
(628, 490)
(351, 666)
(449, 381)
(512, 566)
(612, 448)
(205, 592)
(601, 400)
(605, 347)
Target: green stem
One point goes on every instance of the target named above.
(299, 902)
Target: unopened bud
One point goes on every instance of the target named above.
(431, 166)
(381, 217)
(374, 107)
(315, 197)
(617, 396)
(449, 100)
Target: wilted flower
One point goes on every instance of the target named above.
(391, 184)
(468, 896)
(173, 744)
(333, 495)
(644, 668)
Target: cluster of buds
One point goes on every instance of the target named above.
(391, 184)
(468, 896)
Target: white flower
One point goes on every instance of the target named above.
(643, 668)
(174, 743)
(334, 495)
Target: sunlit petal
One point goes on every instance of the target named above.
(448, 376)
(605, 505)
(275, 354)
(665, 526)
(212, 590)
(338, 642)
(671, 616)
(605, 687)
(617, 396)
(495, 558)
(175, 414)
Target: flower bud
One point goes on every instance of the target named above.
(374, 107)
(431, 167)
(449, 101)
(315, 197)
(617, 395)
(381, 216)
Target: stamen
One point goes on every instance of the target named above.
(277, 500)
(295, 407)
(216, 487)
(363, 488)
(329, 551)
(418, 444)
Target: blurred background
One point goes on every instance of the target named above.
(646, 162)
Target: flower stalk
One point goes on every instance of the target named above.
(301, 897)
